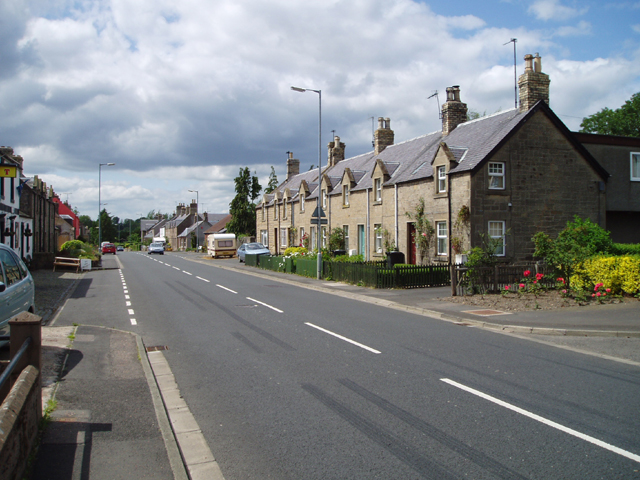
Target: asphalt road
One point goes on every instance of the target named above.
(288, 383)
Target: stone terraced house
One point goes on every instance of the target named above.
(505, 176)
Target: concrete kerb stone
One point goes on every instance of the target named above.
(437, 315)
(173, 452)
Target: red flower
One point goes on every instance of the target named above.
(506, 287)
(593, 294)
(598, 294)
(527, 273)
(560, 279)
(521, 285)
(539, 276)
(608, 290)
(564, 291)
(535, 281)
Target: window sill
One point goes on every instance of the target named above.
(440, 195)
(345, 206)
(377, 202)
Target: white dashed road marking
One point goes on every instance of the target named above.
(343, 338)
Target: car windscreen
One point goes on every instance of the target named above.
(255, 246)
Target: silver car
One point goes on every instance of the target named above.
(156, 247)
(17, 289)
(252, 249)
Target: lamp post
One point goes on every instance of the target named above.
(319, 92)
(100, 165)
(197, 219)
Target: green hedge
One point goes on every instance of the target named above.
(621, 274)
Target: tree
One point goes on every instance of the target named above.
(273, 181)
(242, 208)
(109, 231)
(624, 121)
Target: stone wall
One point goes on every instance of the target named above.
(19, 419)
(547, 183)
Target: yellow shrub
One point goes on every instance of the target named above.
(620, 274)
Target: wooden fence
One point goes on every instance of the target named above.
(466, 281)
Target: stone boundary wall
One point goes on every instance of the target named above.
(19, 419)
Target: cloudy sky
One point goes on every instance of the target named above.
(181, 94)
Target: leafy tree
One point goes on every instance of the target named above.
(273, 181)
(579, 240)
(336, 239)
(109, 230)
(624, 121)
(86, 221)
(242, 207)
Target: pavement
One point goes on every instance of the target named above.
(116, 412)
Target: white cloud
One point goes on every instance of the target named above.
(180, 95)
(583, 28)
(554, 10)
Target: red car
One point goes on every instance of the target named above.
(108, 248)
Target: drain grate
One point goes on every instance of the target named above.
(157, 348)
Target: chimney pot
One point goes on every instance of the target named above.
(537, 63)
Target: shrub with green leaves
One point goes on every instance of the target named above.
(578, 241)
(626, 249)
(295, 252)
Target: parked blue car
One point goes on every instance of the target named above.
(17, 289)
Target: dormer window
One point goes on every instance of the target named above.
(324, 198)
(442, 179)
(302, 202)
(275, 211)
(345, 195)
(284, 208)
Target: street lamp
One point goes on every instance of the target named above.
(197, 219)
(319, 92)
(100, 165)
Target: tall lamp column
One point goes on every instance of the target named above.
(319, 92)
(100, 165)
(197, 219)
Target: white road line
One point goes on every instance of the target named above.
(133, 321)
(203, 279)
(176, 268)
(550, 423)
(265, 304)
(127, 303)
(343, 338)
(227, 289)
(131, 312)
(183, 271)
(127, 297)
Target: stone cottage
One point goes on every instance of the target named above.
(503, 177)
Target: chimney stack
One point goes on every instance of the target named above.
(533, 84)
(293, 166)
(383, 136)
(336, 151)
(454, 112)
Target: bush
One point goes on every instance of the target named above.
(348, 259)
(78, 249)
(625, 249)
(620, 274)
(579, 240)
(295, 252)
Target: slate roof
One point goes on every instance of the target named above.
(471, 143)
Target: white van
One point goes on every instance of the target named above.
(221, 245)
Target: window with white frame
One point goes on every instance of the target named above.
(275, 211)
(441, 232)
(264, 237)
(635, 167)
(345, 229)
(442, 179)
(345, 195)
(302, 202)
(283, 237)
(378, 189)
(324, 237)
(314, 242)
(301, 236)
(496, 175)
(497, 233)
(377, 228)
(263, 212)
(324, 198)
(284, 208)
